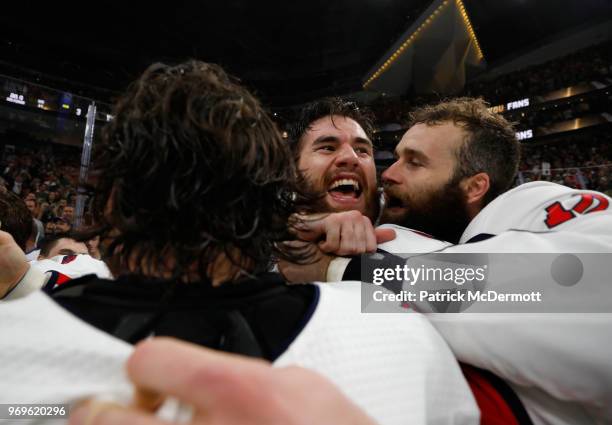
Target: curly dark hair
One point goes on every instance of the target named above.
(326, 107)
(15, 218)
(192, 167)
(490, 145)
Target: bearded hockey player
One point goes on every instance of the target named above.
(450, 180)
(196, 190)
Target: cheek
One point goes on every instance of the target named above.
(311, 164)
(370, 173)
(313, 170)
(419, 184)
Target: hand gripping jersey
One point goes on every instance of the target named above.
(558, 364)
(395, 367)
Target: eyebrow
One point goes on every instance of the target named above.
(415, 153)
(66, 251)
(334, 139)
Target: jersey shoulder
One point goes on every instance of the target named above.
(537, 207)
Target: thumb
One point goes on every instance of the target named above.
(384, 235)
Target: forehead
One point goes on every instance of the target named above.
(335, 125)
(67, 243)
(439, 141)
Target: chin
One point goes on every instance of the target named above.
(342, 208)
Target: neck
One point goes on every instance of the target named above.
(222, 270)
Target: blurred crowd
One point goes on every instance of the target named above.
(582, 161)
(593, 63)
(46, 179)
(549, 114)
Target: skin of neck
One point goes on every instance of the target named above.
(222, 270)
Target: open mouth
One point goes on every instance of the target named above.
(393, 202)
(345, 188)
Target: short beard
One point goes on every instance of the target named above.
(442, 215)
(315, 200)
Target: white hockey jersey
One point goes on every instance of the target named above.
(559, 364)
(50, 272)
(544, 207)
(395, 366)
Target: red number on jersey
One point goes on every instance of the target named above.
(558, 215)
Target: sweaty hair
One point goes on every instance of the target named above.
(490, 145)
(15, 218)
(192, 167)
(327, 107)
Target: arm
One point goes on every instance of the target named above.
(223, 389)
(332, 236)
(17, 278)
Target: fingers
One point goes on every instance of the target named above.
(371, 243)
(359, 244)
(348, 233)
(309, 228)
(225, 389)
(384, 235)
(335, 233)
(147, 400)
(191, 373)
(100, 413)
(345, 233)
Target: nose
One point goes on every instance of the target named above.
(391, 175)
(346, 157)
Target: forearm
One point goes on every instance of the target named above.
(32, 281)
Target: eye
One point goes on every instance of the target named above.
(328, 148)
(414, 163)
(362, 150)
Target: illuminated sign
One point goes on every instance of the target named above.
(16, 98)
(525, 134)
(40, 103)
(518, 104)
(497, 109)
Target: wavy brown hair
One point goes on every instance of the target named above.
(326, 107)
(490, 144)
(192, 167)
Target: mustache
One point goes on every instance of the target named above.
(329, 177)
(394, 195)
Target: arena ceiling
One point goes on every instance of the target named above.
(288, 51)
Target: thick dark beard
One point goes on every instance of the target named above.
(443, 214)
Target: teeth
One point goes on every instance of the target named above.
(345, 182)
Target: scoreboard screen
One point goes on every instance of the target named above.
(29, 95)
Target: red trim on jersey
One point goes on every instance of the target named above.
(68, 259)
(61, 279)
(603, 203)
(418, 232)
(586, 201)
(494, 410)
(557, 215)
